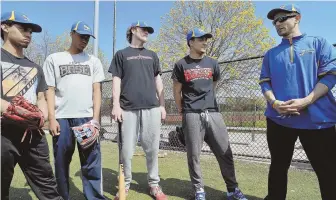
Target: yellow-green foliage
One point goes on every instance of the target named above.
(236, 29)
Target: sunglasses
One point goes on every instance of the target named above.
(282, 19)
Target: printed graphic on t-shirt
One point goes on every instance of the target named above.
(139, 57)
(198, 73)
(74, 68)
(19, 80)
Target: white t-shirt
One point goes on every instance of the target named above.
(73, 77)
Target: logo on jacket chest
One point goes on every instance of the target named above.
(306, 51)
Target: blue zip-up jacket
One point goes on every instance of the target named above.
(291, 70)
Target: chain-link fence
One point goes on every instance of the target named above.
(241, 104)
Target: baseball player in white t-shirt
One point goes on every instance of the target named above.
(74, 98)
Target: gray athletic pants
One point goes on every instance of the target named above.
(146, 123)
(208, 127)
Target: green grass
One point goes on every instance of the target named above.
(252, 178)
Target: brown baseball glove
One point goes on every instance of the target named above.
(24, 114)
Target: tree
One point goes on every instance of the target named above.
(45, 44)
(39, 48)
(33, 52)
(237, 32)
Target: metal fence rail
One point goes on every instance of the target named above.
(241, 103)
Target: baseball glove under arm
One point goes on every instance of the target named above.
(24, 114)
(87, 134)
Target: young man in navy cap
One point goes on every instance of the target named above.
(195, 77)
(296, 79)
(138, 103)
(21, 76)
(74, 98)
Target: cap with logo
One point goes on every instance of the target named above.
(197, 33)
(289, 8)
(20, 18)
(142, 24)
(82, 28)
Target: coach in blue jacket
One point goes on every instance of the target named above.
(296, 79)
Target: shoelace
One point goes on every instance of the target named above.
(157, 190)
(200, 197)
(238, 194)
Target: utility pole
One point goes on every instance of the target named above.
(96, 28)
(96, 41)
(114, 26)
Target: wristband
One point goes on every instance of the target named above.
(273, 103)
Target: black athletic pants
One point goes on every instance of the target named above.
(32, 155)
(320, 148)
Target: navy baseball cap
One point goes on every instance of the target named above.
(196, 33)
(20, 18)
(289, 8)
(142, 24)
(82, 28)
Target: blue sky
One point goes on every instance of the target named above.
(318, 18)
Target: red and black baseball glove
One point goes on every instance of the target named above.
(24, 114)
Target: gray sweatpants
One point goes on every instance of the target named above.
(145, 123)
(208, 127)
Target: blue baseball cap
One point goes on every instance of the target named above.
(196, 33)
(82, 28)
(289, 8)
(142, 24)
(20, 18)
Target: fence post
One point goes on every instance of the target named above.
(254, 120)
(101, 92)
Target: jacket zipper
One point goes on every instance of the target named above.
(291, 50)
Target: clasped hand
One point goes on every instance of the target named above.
(291, 107)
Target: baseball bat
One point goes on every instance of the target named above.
(121, 187)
